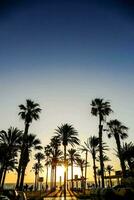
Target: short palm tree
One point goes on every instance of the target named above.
(33, 143)
(81, 163)
(9, 145)
(47, 152)
(27, 113)
(37, 167)
(73, 155)
(109, 169)
(102, 109)
(118, 131)
(56, 154)
(68, 135)
(84, 148)
(92, 146)
(39, 157)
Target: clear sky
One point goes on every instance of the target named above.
(62, 54)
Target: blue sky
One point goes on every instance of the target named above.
(63, 54)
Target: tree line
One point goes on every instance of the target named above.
(16, 147)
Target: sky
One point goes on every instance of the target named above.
(62, 54)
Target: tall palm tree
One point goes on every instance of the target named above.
(33, 143)
(27, 113)
(39, 157)
(102, 109)
(72, 157)
(118, 131)
(92, 146)
(47, 151)
(9, 143)
(68, 135)
(109, 169)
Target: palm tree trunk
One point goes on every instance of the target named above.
(35, 183)
(55, 176)
(67, 176)
(86, 169)
(72, 174)
(94, 169)
(110, 179)
(19, 172)
(122, 163)
(65, 170)
(22, 156)
(101, 154)
(22, 178)
(1, 173)
(47, 178)
(51, 184)
(3, 178)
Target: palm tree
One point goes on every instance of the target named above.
(92, 146)
(37, 167)
(84, 149)
(39, 157)
(9, 145)
(118, 131)
(101, 109)
(81, 163)
(68, 135)
(47, 151)
(27, 113)
(72, 157)
(32, 143)
(127, 152)
(10, 166)
(109, 169)
(56, 154)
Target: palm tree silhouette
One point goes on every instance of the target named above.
(32, 143)
(102, 109)
(68, 135)
(72, 157)
(85, 149)
(9, 145)
(39, 157)
(27, 113)
(118, 131)
(109, 169)
(37, 167)
(56, 154)
(92, 146)
(81, 163)
(47, 151)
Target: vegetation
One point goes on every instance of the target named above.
(102, 109)
(118, 131)
(16, 147)
(68, 135)
(27, 113)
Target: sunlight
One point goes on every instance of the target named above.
(60, 173)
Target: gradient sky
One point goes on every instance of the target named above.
(62, 54)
